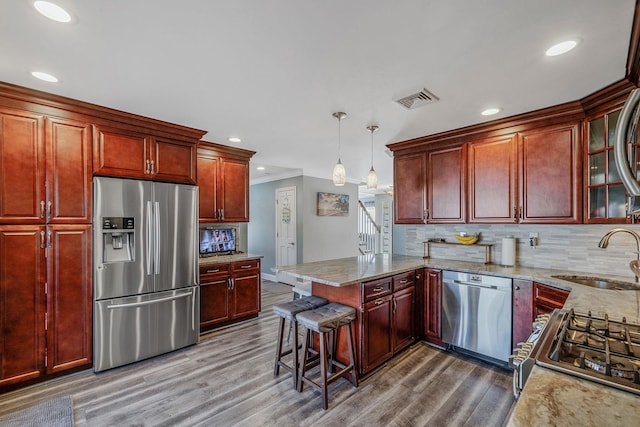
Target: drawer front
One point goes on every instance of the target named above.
(212, 272)
(376, 289)
(240, 266)
(550, 296)
(404, 280)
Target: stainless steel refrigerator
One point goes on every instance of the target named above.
(146, 295)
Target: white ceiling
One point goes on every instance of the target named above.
(273, 72)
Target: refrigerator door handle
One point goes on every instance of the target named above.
(149, 302)
(156, 259)
(147, 245)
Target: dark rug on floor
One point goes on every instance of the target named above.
(53, 413)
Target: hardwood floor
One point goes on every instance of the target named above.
(227, 379)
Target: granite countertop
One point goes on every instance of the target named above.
(549, 397)
(223, 259)
(348, 271)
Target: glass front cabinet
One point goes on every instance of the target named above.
(606, 195)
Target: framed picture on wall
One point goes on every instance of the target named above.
(331, 204)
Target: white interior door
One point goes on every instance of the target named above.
(286, 252)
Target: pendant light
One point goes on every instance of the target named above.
(339, 173)
(372, 178)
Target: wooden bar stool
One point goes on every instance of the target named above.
(289, 311)
(325, 321)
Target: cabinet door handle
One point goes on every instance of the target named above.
(403, 281)
(153, 169)
(148, 170)
(379, 301)
(48, 238)
(246, 266)
(221, 214)
(516, 288)
(42, 244)
(229, 283)
(41, 208)
(395, 305)
(521, 212)
(49, 204)
(515, 212)
(378, 289)
(213, 271)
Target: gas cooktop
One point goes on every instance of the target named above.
(593, 348)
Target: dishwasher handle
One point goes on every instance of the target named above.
(477, 285)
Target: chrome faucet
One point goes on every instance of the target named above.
(604, 242)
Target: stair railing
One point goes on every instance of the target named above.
(368, 231)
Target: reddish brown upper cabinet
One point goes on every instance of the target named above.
(223, 181)
(493, 180)
(22, 168)
(430, 187)
(530, 177)
(551, 175)
(130, 154)
(409, 194)
(446, 195)
(605, 197)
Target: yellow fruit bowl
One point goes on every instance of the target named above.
(467, 240)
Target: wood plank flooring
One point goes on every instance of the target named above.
(227, 379)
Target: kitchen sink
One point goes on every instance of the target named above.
(600, 282)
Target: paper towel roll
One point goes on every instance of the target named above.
(508, 251)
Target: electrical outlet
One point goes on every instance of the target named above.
(533, 240)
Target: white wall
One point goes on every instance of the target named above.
(328, 237)
(319, 238)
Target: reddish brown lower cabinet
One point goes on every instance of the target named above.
(403, 319)
(432, 305)
(45, 301)
(522, 310)
(385, 317)
(229, 292)
(22, 304)
(547, 298)
(376, 338)
(69, 297)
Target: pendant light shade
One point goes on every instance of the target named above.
(372, 177)
(339, 173)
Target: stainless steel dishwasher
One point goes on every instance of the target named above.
(476, 313)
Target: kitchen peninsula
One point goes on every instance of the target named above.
(549, 397)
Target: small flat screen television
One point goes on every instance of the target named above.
(217, 241)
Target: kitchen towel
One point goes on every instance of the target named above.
(508, 251)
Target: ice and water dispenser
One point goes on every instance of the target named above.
(118, 239)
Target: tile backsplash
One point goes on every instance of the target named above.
(564, 247)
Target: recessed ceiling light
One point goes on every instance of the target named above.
(44, 76)
(52, 11)
(234, 139)
(260, 168)
(560, 48)
(491, 111)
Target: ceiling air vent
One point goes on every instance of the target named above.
(417, 99)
